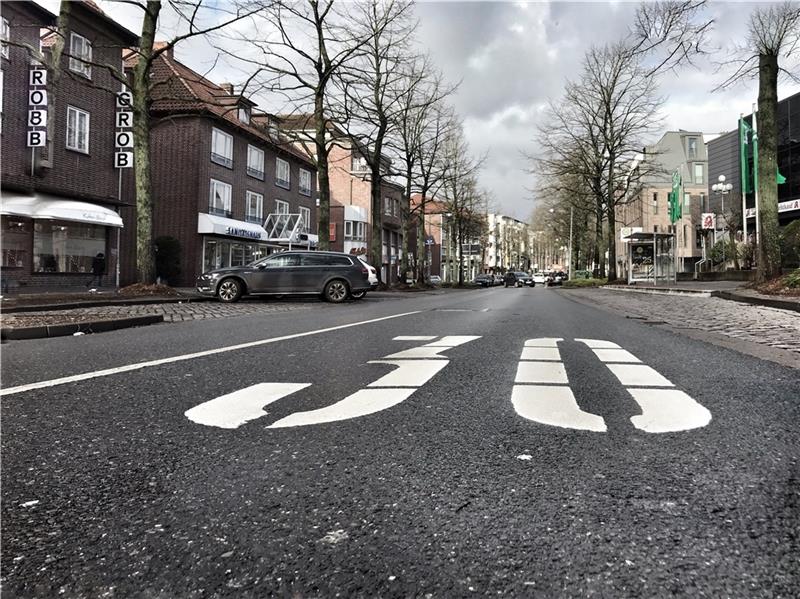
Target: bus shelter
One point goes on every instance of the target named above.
(651, 258)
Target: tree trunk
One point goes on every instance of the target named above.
(376, 245)
(145, 259)
(769, 263)
(422, 249)
(54, 70)
(324, 212)
(610, 203)
(599, 258)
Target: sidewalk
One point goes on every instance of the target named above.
(71, 298)
(729, 290)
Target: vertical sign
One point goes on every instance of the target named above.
(37, 108)
(123, 136)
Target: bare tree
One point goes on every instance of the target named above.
(373, 88)
(770, 52)
(313, 41)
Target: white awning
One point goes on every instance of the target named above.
(47, 207)
(219, 225)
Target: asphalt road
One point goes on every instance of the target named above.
(447, 489)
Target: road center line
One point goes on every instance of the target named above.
(140, 365)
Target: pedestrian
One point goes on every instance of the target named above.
(98, 269)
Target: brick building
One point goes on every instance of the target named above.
(60, 202)
(224, 183)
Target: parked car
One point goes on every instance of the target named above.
(498, 279)
(334, 275)
(372, 277)
(435, 280)
(539, 278)
(518, 279)
(484, 280)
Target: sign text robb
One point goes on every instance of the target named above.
(37, 108)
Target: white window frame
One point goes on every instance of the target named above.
(78, 56)
(305, 186)
(73, 141)
(5, 35)
(387, 206)
(699, 165)
(691, 154)
(360, 232)
(259, 213)
(220, 140)
(305, 214)
(244, 114)
(254, 169)
(281, 207)
(283, 165)
(348, 229)
(226, 197)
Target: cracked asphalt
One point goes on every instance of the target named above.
(109, 490)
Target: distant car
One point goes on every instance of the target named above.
(435, 280)
(372, 277)
(539, 278)
(498, 279)
(484, 280)
(334, 275)
(518, 279)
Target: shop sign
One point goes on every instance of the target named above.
(782, 207)
(37, 108)
(626, 232)
(708, 220)
(123, 137)
(248, 233)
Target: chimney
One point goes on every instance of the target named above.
(228, 87)
(159, 45)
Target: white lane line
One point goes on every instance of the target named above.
(668, 411)
(453, 341)
(409, 373)
(138, 366)
(615, 355)
(360, 403)
(555, 406)
(414, 338)
(543, 342)
(432, 350)
(638, 375)
(234, 409)
(599, 344)
(540, 353)
(541, 372)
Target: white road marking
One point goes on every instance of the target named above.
(453, 341)
(599, 344)
(543, 342)
(540, 353)
(414, 338)
(202, 354)
(638, 375)
(431, 350)
(541, 372)
(615, 355)
(555, 406)
(360, 403)
(409, 373)
(668, 411)
(234, 409)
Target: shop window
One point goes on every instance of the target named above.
(15, 242)
(66, 247)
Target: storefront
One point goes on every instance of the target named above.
(228, 242)
(50, 241)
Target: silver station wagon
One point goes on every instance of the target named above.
(334, 275)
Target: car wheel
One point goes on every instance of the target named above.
(358, 294)
(229, 291)
(336, 291)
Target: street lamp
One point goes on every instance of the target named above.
(722, 189)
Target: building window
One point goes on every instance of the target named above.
(80, 50)
(255, 162)
(655, 203)
(348, 229)
(387, 206)
(687, 199)
(15, 242)
(221, 148)
(397, 207)
(305, 214)
(77, 130)
(219, 201)
(703, 206)
(244, 114)
(281, 207)
(255, 207)
(655, 228)
(305, 182)
(361, 231)
(698, 173)
(691, 145)
(685, 236)
(283, 176)
(358, 164)
(5, 35)
(66, 246)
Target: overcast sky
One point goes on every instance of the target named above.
(511, 58)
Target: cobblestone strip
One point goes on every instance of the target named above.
(757, 324)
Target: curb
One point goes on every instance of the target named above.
(101, 303)
(758, 301)
(62, 330)
(661, 290)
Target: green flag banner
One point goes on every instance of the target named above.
(675, 199)
(781, 179)
(744, 151)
